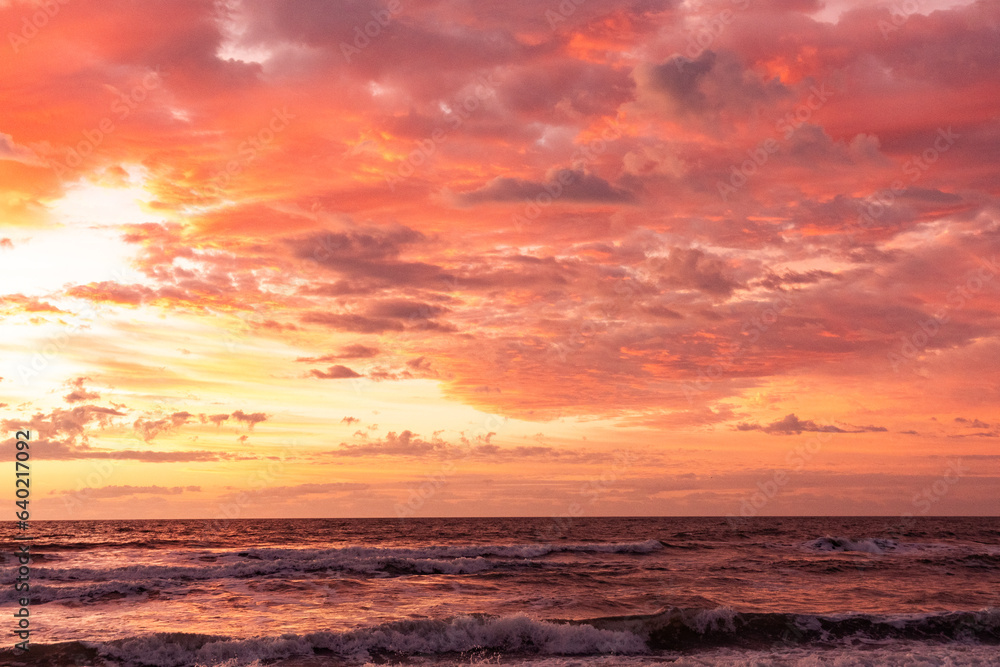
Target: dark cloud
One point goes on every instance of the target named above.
(711, 83)
(774, 281)
(562, 185)
(694, 269)
(792, 425)
(380, 316)
(401, 309)
(661, 311)
(369, 254)
(352, 322)
(971, 423)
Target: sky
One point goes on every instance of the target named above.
(455, 258)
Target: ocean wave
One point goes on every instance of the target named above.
(678, 628)
(983, 561)
(10, 556)
(464, 551)
(138, 580)
(90, 593)
(83, 545)
(672, 629)
(875, 545)
(503, 635)
(455, 560)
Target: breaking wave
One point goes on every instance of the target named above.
(672, 629)
(89, 585)
(876, 545)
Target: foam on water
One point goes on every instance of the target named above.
(508, 635)
(877, 545)
(720, 636)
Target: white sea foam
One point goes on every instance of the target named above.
(876, 545)
(720, 618)
(831, 639)
(463, 634)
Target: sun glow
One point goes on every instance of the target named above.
(83, 244)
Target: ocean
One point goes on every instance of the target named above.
(526, 591)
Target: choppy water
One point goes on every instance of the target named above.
(595, 591)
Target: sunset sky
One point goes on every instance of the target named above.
(447, 257)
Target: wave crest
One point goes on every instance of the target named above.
(874, 545)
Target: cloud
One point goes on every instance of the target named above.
(402, 309)
(406, 443)
(320, 488)
(355, 351)
(218, 419)
(421, 366)
(971, 423)
(352, 322)
(251, 419)
(26, 304)
(711, 83)
(637, 284)
(159, 456)
(68, 425)
(562, 185)
(150, 428)
(382, 316)
(774, 281)
(694, 269)
(79, 393)
(111, 292)
(369, 254)
(9, 150)
(128, 490)
(792, 425)
(337, 372)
